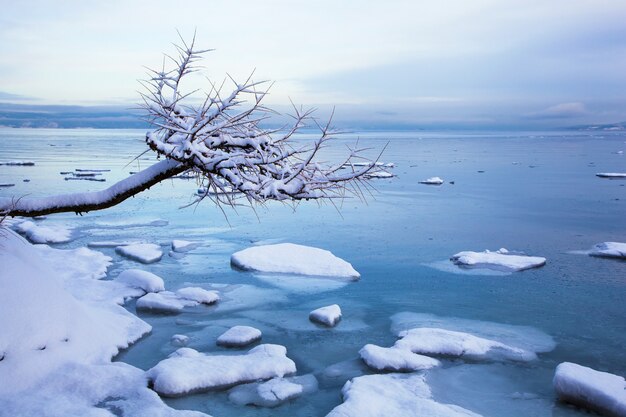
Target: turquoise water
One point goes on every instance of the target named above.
(538, 194)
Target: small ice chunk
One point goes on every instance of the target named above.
(602, 392)
(274, 392)
(328, 316)
(163, 302)
(198, 294)
(144, 280)
(432, 181)
(146, 253)
(187, 374)
(239, 336)
(499, 260)
(183, 245)
(179, 340)
(611, 174)
(393, 395)
(37, 233)
(379, 174)
(609, 250)
(289, 258)
(395, 359)
(433, 341)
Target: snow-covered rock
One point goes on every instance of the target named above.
(144, 280)
(328, 316)
(611, 174)
(179, 340)
(187, 374)
(432, 181)
(602, 392)
(238, 336)
(183, 245)
(609, 250)
(274, 392)
(433, 341)
(163, 302)
(199, 295)
(499, 260)
(395, 359)
(393, 395)
(289, 258)
(146, 253)
(37, 233)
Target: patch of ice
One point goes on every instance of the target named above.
(393, 395)
(328, 316)
(609, 250)
(183, 375)
(395, 359)
(144, 280)
(499, 260)
(289, 258)
(37, 233)
(132, 222)
(602, 392)
(274, 392)
(302, 284)
(199, 295)
(432, 181)
(146, 253)
(239, 336)
(112, 243)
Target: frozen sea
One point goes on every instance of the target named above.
(534, 192)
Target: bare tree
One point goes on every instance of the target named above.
(219, 138)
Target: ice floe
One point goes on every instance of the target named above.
(328, 315)
(614, 175)
(393, 395)
(432, 181)
(163, 302)
(274, 392)
(238, 336)
(146, 253)
(182, 375)
(18, 163)
(602, 392)
(609, 250)
(144, 280)
(199, 295)
(38, 233)
(395, 359)
(290, 258)
(501, 259)
(379, 174)
(183, 245)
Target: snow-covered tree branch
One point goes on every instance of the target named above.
(219, 137)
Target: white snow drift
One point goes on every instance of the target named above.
(289, 258)
(499, 260)
(38, 233)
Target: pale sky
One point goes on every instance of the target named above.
(417, 62)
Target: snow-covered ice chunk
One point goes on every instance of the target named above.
(179, 340)
(198, 294)
(379, 174)
(274, 392)
(432, 181)
(183, 245)
(432, 341)
(238, 336)
(290, 258)
(393, 395)
(499, 260)
(602, 392)
(163, 302)
(328, 316)
(611, 174)
(37, 233)
(146, 253)
(143, 280)
(183, 375)
(609, 250)
(395, 359)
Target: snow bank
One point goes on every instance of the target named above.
(585, 387)
(609, 250)
(432, 181)
(442, 342)
(395, 359)
(144, 280)
(328, 316)
(146, 253)
(37, 233)
(198, 372)
(499, 260)
(199, 295)
(393, 395)
(289, 258)
(274, 392)
(239, 336)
